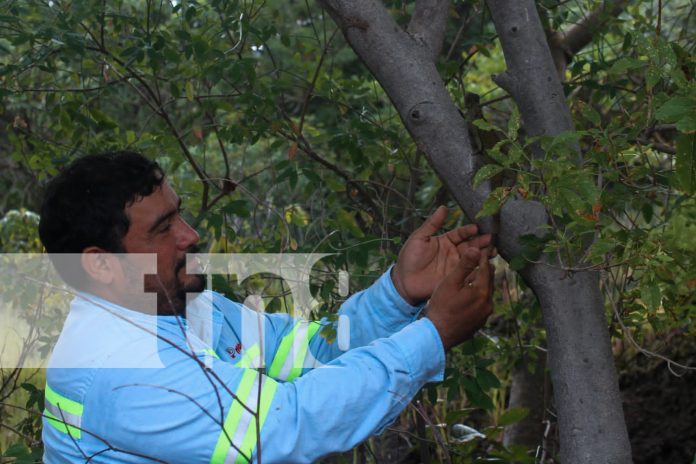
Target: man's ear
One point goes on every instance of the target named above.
(99, 265)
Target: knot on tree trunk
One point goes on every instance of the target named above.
(421, 112)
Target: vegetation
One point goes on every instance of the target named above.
(280, 140)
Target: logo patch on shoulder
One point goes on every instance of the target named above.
(234, 351)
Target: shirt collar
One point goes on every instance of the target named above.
(203, 320)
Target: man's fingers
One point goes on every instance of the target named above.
(468, 262)
(479, 241)
(432, 224)
(461, 234)
(465, 266)
(485, 271)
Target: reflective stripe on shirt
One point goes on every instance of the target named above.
(251, 358)
(237, 440)
(285, 366)
(211, 352)
(64, 414)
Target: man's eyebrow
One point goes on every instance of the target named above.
(164, 217)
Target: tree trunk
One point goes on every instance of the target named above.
(527, 391)
(590, 414)
(585, 385)
(403, 61)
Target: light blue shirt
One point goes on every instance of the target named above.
(129, 387)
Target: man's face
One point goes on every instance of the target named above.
(157, 227)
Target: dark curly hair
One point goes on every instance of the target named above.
(85, 205)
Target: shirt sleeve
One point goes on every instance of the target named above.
(376, 312)
(213, 411)
(336, 407)
(295, 346)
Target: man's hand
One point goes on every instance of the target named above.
(462, 302)
(425, 260)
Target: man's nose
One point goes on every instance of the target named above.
(187, 235)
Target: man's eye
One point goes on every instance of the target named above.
(165, 228)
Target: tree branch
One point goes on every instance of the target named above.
(566, 44)
(407, 72)
(428, 24)
(154, 101)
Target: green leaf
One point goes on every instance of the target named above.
(679, 110)
(517, 263)
(515, 154)
(17, 450)
(647, 210)
(189, 91)
(600, 248)
(685, 168)
(238, 208)
(486, 172)
(497, 154)
(624, 64)
(567, 139)
(347, 221)
(105, 122)
(485, 125)
(475, 394)
(591, 115)
(486, 379)
(335, 184)
(651, 295)
(473, 346)
(512, 416)
(652, 77)
(456, 415)
(532, 247)
(312, 176)
(190, 13)
(31, 388)
(494, 202)
(9, 19)
(514, 124)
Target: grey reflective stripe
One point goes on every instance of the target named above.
(63, 416)
(244, 422)
(298, 341)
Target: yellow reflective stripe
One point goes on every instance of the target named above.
(67, 405)
(211, 352)
(62, 426)
(302, 352)
(283, 352)
(249, 359)
(268, 389)
(298, 339)
(233, 417)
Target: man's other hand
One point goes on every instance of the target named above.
(425, 259)
(462, 302)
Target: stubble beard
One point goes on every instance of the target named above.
(172, 301)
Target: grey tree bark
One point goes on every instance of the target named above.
(527, 390)
(566, 44)
(590, 415)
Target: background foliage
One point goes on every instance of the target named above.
(278, 139)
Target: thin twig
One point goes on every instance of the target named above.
(646, 352)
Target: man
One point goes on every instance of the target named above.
(114, 396)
